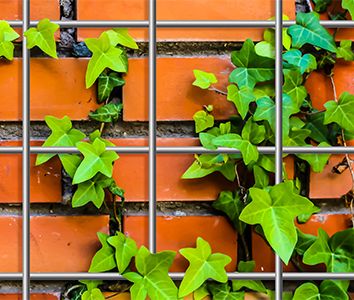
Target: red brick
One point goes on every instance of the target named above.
(58, 243)
(57, 88)
(45, 180)
(32, 297)
(174, 233)
(183, 10)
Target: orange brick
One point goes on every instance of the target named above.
(45, 180)
(32, 297)
(57, 88)
(177, 99)
(174, 233)
(58, 243)
(183, 10)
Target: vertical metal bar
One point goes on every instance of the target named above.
(279, 131)
(25, 155)
(152, 125)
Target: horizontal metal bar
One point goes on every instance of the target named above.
(179, 276)
(184, 24)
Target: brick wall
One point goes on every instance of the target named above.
(64, 239)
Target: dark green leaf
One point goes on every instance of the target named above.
(261, 177)
(328, 290)
(306, 63)
(108, 113)
(106, 84)
(304, 241)
(222, 291)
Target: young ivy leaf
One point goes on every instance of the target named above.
(349, 5)
(203, 265)
(104, 55)
(253, 132)
(122, 37)
(204, 79)
(7, 35)
(62, 135)
(96, 159)
(335, 252)
(308, 30)
(94, 294)
(203, 120)
(108, 113)
(104, 258)
(106, 84)
(43, 37)
(70, 163)
(345, 50)
(251, 68)
(222, 291)
(241, 98)
(316, 161)
(126, 249)
(275, 210)
(341, 112)
(329, 290)
(306, 63)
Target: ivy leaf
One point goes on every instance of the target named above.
(108, 113)
(96, 159)
(126, 249)
(106, 84)
(241, 98)
(201, 293)
(204, 79)
(232, 205)
(261, 177)
(7, 35)
(206, 139)
(345, 50)
(349, 5)
(43, 37)
(222, 291)
(203, 120)
(196, 170)
(104, 258)
(304, 241)
(308, 30)
(70, 163)
(203, 265)
(253, 132)
(94, 294)
(251, 68)
(293, 86)
(122, 37)
(249, 152)
(306, 63)
(321, 5)
(319, 131)
(275, 210)
(342, 112)
(335, 252)
(104, 55)
(62, 135)
(316, 161)
(153, 279)
(328, 290)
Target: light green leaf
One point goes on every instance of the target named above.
(201, 293)
(126, 249)
(106, 84)
(328, 290)
(266, 49)
(203, 265)
(304, 241)
(96, 159)
(70, 163)
(317, 161)
(349, 5)
(104, 258)
(204, 79)
(253, 132)
(342, 112)
(122, 37)
(63, 135)
(7, 35)
(94, 294)
(309, 31)
(196, 170)
(293, 86)
(104, 55)
(261, 177)
(222, 291)
(335, 252)
(43, 37)
(241, 98)
(203, 120)
(345, 50)
(108, 113)
(275, 210)
(254, 285)
(306, 63)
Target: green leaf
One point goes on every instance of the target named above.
(104, 258)
(222, 291)
(104, 55)
(306, 63)
(122, 37)
(293, 86)
(97, 135)
(342, 112)
(275, 210)
(94, 294)
(63, 135)
(241, 98)
(108, 113)
(316, 161)
(349, 5)
(204, 79)
(203, 265)
(335, 252)
(7, 35)
(251, 68)
(253, 132)
(206, 139)
(125, 248)
(261, 177)
(70, 163)
(345, 50)
(43, 37)
(106, 84)
(116, 190)
(309, 31)
(319, 131)
(201, 293)
(203, 120)
(153, 279)
(196, 170)
(328, 290)
(232, 205)
(266, 49)
(285, 295)
(304, 241)
(249, 152)
(96, 159)
(321, 5)
(91, 284)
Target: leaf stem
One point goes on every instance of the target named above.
(217, 91)
(245, 247)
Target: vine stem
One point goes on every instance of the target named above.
(349, 161)
(103, 123)
(213, 89)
